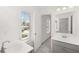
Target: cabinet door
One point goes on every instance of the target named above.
(58, 49)
(67, 50)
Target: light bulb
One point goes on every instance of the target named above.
(71, 6)
(64, 8)
(58, 9)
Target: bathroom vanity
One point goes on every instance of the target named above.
(66, 36)
(63, 47)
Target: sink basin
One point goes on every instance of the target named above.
(18, 47)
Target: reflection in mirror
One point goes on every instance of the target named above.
(48, 26)
(64, 25)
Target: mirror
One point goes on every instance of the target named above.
(64, 24)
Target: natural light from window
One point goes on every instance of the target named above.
(25, 18)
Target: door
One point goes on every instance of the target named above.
(37, 41)
(42, 30)
(45, 27)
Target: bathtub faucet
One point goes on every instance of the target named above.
(2, 47)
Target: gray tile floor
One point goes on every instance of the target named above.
(45, 47)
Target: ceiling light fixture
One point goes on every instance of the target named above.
(71, 6)
(64, 8)
(58, 9)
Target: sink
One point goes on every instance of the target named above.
(18, 47)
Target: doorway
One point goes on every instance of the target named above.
(45, 41)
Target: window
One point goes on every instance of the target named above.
(25, 18)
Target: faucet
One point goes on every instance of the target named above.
(2, 47)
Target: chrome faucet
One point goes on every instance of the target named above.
(2, 47)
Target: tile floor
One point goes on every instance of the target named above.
(45, 47)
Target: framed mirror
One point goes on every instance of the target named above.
(64, 24)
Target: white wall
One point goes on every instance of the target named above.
(10, 23)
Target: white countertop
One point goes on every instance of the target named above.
(71, 40)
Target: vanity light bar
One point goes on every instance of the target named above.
(64, 8)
